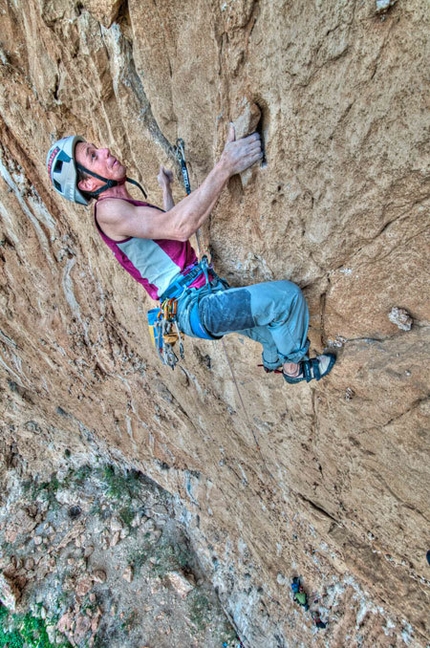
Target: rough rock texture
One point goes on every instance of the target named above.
(102, 561)
(328, 481)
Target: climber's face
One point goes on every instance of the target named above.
(100, 161)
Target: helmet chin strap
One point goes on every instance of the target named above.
(108, 183)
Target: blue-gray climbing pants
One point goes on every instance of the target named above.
(274, 313)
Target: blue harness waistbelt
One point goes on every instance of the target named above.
(177, 287)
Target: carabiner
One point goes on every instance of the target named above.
(180, 148)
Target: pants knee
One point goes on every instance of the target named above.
(294, 295)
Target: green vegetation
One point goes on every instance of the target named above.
(137, 559)
(80, 475)
(119, 484)
(46, 490)
(127, 515)
(200, 610)
(24, 631)
(121, 487)
(170, 557)
(131, 621)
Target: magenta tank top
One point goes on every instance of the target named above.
(153, 263)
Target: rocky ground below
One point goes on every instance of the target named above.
(95, 557)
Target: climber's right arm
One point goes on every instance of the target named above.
(185, 218)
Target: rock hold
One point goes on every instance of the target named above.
(401, 318)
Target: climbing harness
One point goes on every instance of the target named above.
(163, 321)
(178, 287)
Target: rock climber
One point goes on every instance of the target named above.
(152, 244)
(318, 622)
(300, 595)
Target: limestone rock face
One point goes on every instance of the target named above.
(329, 480)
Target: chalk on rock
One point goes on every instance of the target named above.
(401, 318)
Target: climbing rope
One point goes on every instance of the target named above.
(179, 152)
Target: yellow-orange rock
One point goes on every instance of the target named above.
(328, 481)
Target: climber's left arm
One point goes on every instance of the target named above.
(165, 179)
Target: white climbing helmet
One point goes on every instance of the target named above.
(61, 165)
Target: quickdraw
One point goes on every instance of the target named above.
(164, 331)
(179, 151)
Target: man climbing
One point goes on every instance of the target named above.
(300, 595)
(153, 246)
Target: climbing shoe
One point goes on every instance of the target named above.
(313, 369)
